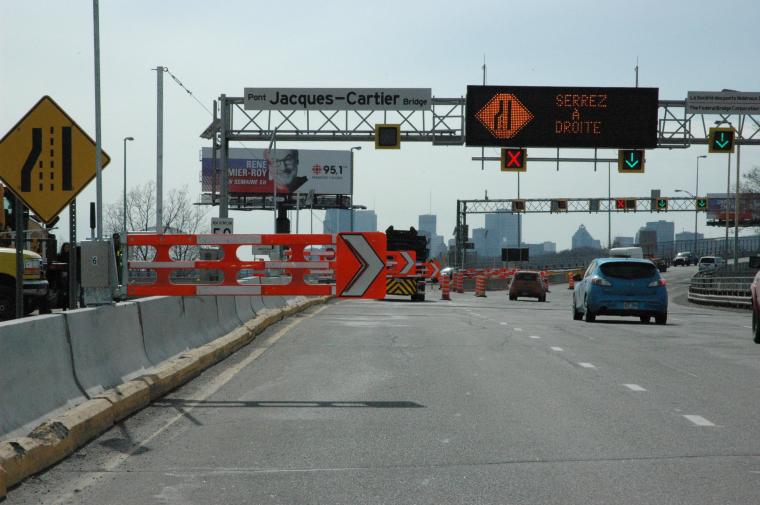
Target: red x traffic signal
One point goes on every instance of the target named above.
(514, 160)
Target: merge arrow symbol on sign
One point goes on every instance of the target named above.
(367, 267)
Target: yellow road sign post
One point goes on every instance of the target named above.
(46, 159)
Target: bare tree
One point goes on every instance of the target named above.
(180, 216)
(751, 182)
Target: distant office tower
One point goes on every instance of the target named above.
(623, 242)
(427, 225)
(582, 238)
(365, 220)
(479, 239)
(501, 232)
(337, 221)
(665, 230)
(688, 235)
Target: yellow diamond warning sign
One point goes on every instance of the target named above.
(47, 159)
(504, 115)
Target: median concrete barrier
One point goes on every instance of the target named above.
(202, 313)
(274, 302)
(257, 303)
(107, 345)
(244, 309)
(228, 317)
(37, 373)
(165, 332)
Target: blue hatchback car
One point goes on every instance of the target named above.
(621, 287)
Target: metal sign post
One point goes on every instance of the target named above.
(18, 212)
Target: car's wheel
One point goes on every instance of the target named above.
(7, 303)
(661, 319)
(756, 327)
(645, 319)
(512, 297)
(589, 316)
(577, 316)
(542, 298)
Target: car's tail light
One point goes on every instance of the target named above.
(658, 283)
(600, 281)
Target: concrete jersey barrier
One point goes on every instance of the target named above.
(107, 345)
(228, 316)
(167, 329)
(202, 319)
(37, 374)
(244, 308)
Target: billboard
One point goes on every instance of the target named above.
(718, 208)
(297, 170)
(542, 116)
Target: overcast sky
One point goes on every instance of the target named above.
(46, 47)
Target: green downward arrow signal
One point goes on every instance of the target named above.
(701, 203)
(721, 143)
(662, 203)
(631, 163)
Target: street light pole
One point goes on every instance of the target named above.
(736, 201)
(357, 148)
(124, 251)
(696, 195)
(728, 188)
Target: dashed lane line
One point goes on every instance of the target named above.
(536, 337)
(634, 387)
(557, 349)
(699, 420)
(586, 365)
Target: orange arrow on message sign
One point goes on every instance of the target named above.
(504, 115)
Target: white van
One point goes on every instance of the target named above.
(626, 252)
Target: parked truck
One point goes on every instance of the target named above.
(407, 240)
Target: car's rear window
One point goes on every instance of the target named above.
(707, 260)
(623, 270)
(526, 276)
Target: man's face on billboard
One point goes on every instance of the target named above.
(287, 167)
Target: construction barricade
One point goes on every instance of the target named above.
(445, 285)
(480, 285)
(570, 280)
(458, 282)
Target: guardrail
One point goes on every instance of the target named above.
(726, 291)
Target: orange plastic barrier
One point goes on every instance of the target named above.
(359, 265)
(480, 285)
(570, 280)
(444, 281)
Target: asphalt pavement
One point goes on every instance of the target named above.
(472, 401)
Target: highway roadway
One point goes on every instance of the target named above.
(472, 401)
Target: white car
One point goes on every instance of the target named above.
(710, 263)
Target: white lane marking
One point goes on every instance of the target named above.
(558, 349)
(699, 420)
(67, 492)
(748, 327)
(503, 323)
(634, 387)
(586, 365)
(517, 329)
(535, 337)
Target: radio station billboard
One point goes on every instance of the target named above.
(252, 171)
(542, 116)
(719, 208)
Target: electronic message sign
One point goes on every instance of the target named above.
(540, 116)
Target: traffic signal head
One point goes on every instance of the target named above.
(631, 161)
(660, 204)
(514, 160)
(559, 205)
(721, 140)
(387, 136)
(625, 204)
(518, 205)
(700, 203)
